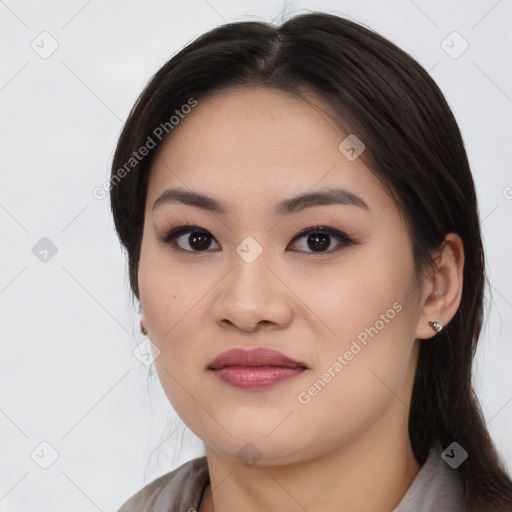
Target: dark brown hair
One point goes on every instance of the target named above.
(413, 145)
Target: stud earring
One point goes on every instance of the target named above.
(436, 326)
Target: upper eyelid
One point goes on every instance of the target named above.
(185, 228)
(319, 228)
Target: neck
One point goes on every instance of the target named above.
(370, 473)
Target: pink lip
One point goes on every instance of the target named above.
(256, 368)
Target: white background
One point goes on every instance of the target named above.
(67, 372)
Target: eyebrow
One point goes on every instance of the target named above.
(330, 196)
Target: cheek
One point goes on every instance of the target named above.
(361, 372)
(354, 298)
(173, 319)
(167, 294)
(369, 341)
(370, 335)
(164, 304)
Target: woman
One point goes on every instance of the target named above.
(303, 236)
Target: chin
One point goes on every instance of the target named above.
(258, 448)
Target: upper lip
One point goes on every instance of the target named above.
(254, 357)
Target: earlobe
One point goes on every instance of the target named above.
(436, 326)
(444, 290)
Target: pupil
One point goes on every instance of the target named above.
(199, 241)
(320, 239)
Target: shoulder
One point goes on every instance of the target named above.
(180, 489)
(436, 487)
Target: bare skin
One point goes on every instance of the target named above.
(345, 447)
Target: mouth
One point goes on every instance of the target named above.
(255, 369)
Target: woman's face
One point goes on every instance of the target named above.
(345, 309)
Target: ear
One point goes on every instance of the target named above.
(442, 289)
(143, 329)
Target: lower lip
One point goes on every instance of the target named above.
(256, 377)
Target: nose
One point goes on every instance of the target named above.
(252, 296)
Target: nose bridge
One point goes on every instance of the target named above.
(251, 293)
(250, 270)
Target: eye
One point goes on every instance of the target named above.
(318, 239)
(197, 238)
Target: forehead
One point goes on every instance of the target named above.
(262, 145)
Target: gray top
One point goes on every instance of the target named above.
(436, 488)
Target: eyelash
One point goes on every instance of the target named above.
(343, 238)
